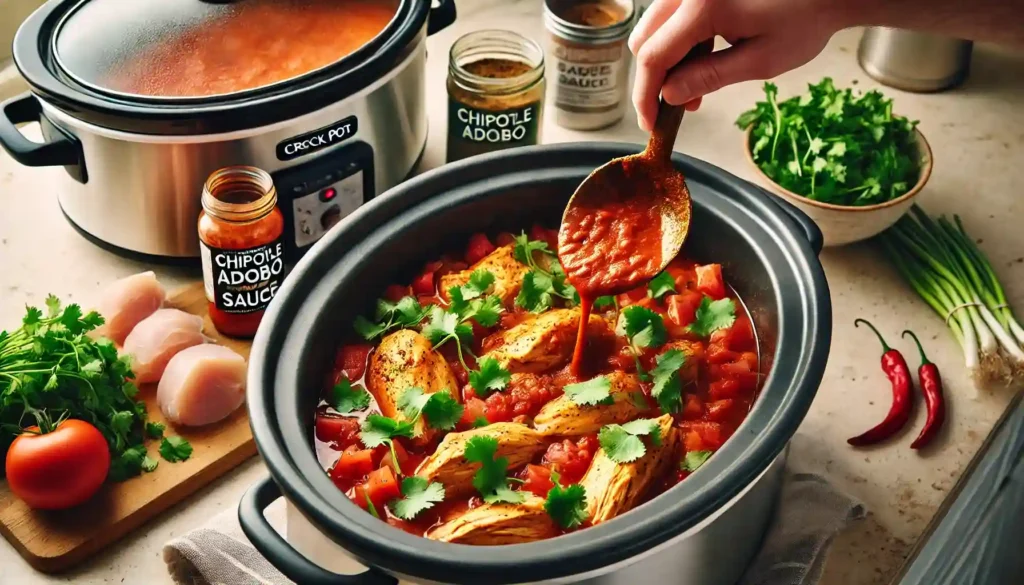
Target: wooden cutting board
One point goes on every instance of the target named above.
(56, 540)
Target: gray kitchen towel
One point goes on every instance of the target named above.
(809, 515)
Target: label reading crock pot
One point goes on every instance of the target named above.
(242, 281)
(311, 142)
(472, 131)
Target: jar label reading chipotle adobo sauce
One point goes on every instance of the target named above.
(470, 127)
(243, 281)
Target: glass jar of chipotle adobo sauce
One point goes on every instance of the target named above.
(240, 232)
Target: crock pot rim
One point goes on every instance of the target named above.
(376, 543)
(260, 107)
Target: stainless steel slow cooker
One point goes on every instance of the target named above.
(703, 531)
(333, 135)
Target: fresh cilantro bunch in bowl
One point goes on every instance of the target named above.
(845, 159)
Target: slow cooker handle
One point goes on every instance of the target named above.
(65, 150)
(281, 554)
(810, 229)
(440, 16)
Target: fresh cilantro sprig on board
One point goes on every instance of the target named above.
(407, 312)
(712, 316)
(491, 480)
(622, 443)
(417, 495)
(52, 369)
(567, 505)
(833, 146)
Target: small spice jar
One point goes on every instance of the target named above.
(589, 60)
(495, 93)
(240, 244)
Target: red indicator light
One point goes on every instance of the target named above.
(329, 193)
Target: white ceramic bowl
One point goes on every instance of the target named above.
(845, 224)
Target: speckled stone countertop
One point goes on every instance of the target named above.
(977, 134)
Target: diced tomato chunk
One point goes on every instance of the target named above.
(423, 286)
(722, 389)
(692, 441)
(731, 369)
(537, 480)
(747, 381)
(382, 456)
(717, 354)
(479, 246)
(720, 410)
(710, 434)
(381, 487)
(709, 281)
(632, 297)
(351, 360)
(741, 335)
(358, 496)
(693, 409)
(571, 460)
(475, 409)
(353, 465)
(750, 358)
(396, 292)
(504, 239)
(499, 408)
(682, 307)
(340, 431)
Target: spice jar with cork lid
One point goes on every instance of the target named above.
(240, 231)
(589, 60)
(495, 93)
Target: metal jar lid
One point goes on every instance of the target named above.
(558, 17)
(198, 49)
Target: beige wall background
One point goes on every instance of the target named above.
(12, 12)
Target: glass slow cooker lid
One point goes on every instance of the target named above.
(180, 49)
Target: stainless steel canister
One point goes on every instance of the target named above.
(588, 60)
(914, 61)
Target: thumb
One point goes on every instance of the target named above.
(741, 62)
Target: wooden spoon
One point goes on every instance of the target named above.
(630, 217)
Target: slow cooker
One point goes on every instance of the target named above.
(703, 531)
(141, 101)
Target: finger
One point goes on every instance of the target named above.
(666, 47)
(654, 17)
(693, 105)
(742, 62)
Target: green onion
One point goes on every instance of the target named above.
(952, 275)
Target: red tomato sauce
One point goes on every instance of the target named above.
(721, 381)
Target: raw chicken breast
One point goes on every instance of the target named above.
(157, 338)
(126, 302)
(201, 385)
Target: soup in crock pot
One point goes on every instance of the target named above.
(453, 413)
(262, 42)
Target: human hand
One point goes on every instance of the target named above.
(767, 38)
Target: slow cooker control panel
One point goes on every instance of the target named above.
(315, 196)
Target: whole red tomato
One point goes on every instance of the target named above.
(59, 469)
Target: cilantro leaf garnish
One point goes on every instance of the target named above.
(491, 480)
(537, 292)
(661, 285)
(468, 301)
(407, 312)
(567, 506)
(480, 421)
(712, 316)
(155, 430)
(622, 444)
(668, 385)
(591, 392)
(541, 286)
(643, 327)
(417, 495)
(440, 410)
(379, 430)
(479, 282)
(524, 248)
(491, 377)
(346, 398)
(175, 449)
(694, 459)
(443, 326)
(602, 302)
(833, 146)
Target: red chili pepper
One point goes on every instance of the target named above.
(931, 387)
(895, 368)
